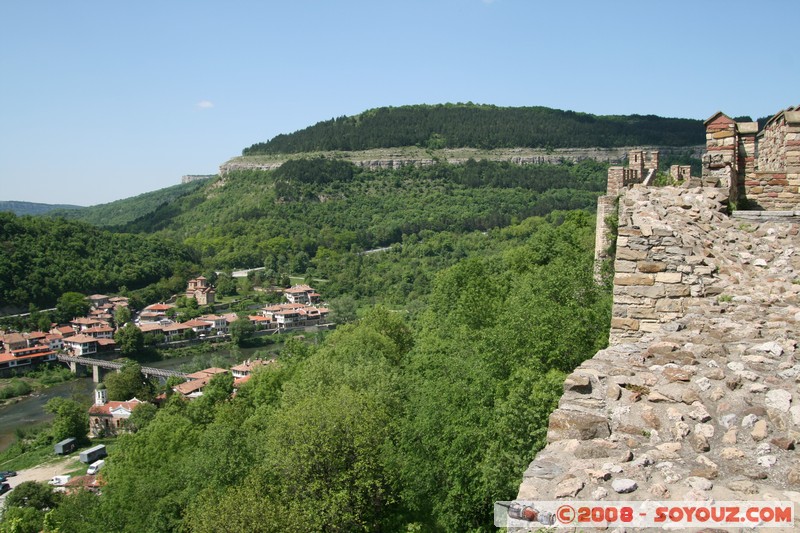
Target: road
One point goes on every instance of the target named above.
(42, 473)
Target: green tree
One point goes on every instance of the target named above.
(71, 305)
(343, 309)
(122, 315)
(32, 494)
(226, 286)
(128, 383)
(142, 415)
(241, 331)
(22, 520)
(71, 419)
(130, 340)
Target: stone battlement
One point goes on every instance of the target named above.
(697, 396)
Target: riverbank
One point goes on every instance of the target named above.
(14, 389)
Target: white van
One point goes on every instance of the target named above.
(95, 467)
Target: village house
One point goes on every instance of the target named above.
(14, 341)
(55, 342)
(261, 322)
(217, 322)
(80, 324)
(246, 368)
(97, 300)
(155, 313)
(196, 382)
(25, 356)
(201, 327)
(153, 328)
(175, 331)
(291, 315)
(109, 418)
(301, 294)
(199, 289)
(100, 332)
(63, 331)
(81, 345)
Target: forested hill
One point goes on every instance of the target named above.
(128, 209)
(485, 127)
(34, 208)
(42, 258)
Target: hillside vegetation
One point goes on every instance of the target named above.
(382, 427)
(41, 258)
(317, 206)
(33, 208)
(126, 210)
(415, 417)
(482, 126)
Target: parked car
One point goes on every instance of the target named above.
(4, 487)
(8, 473)
(95, 467)
(59, 481)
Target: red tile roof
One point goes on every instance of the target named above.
(248, 366)
(80, 339)
(207, 373)
(159, 307)
(106, 408)
(188, 387)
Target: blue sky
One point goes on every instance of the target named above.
(102, 100)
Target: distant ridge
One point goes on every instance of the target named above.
(122, 211)
(33, 208)
(485, 127)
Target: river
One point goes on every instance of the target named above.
(29, 411)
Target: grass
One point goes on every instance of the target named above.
(14, 458)
(18, 458)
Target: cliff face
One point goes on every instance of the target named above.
(697, 396)
(379, 159)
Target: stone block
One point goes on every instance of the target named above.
(624, 266)
(638, 291)
(576, 425)
(651, 267)
(634, 279)
(629, 324)
(677, 291)
(669, 306)
(642, 312)
(649, 326)
(667, 277)
(631, 255)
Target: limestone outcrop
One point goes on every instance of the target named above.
(375, 160)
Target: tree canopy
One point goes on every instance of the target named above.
(387, 424)
(482, 126)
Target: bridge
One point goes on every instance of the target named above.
(73, 361)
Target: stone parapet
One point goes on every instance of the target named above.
(659, 259)
(697, 396)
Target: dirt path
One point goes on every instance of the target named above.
(43, 473)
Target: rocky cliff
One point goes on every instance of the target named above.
(697, 396)
(389, 158)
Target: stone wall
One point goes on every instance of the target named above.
(661, 267)
(697, 396)
(774, 183)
